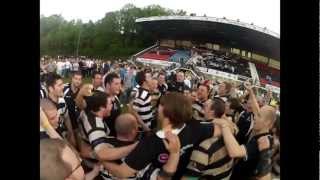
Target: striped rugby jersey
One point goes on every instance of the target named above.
(62, 112)
(73, 110)
(93, 130)
(142, 105)
(198, 113)
(43, 92)
(210, 160)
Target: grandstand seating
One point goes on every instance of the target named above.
(218, 61)
(230, 64)
(166, 54)
(155, 56)
(226, 64)
(159, 53)
(185, 55)
(274, 83)
(264, 71)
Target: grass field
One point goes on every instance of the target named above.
(84, 80)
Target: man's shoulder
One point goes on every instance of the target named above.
(152, 138)
(100, 89)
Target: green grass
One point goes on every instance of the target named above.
(84, 80)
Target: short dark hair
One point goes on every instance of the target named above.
(177, 108)
(110, 77)
(95, 73)
(148, 70)
(52, 79)
(218, 106)
(234, 103)
(95, 101)
(162, 74)
(180, 72)
(52, 166)
(141, 77)
(76, 73)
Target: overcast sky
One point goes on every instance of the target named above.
(263, 13)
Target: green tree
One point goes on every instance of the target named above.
(115, 35)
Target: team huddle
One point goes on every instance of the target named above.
(146, 124)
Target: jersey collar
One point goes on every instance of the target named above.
(161, 133)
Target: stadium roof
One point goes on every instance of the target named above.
(223, 31)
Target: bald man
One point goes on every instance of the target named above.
(51, 112)
(126, 126)
(256, 153)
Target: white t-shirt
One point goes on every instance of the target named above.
(90, 63)
(60, 66)
(68, 65)
(187, 82)
(75, 66)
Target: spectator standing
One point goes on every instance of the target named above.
(178, 84)
(122, 72)
(162, 85)
(75, 66)
(129, 79)
(51, 67)
(97, 81)
(60, 68)
(64, 68)
(68, 66)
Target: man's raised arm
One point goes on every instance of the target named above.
(254, 103)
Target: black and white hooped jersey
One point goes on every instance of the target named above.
(142, 105)
(93, 130)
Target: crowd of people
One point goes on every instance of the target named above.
(224, 63)
(139, 122)
(64, 66)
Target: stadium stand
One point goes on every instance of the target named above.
(180, 54)
(268, 74)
